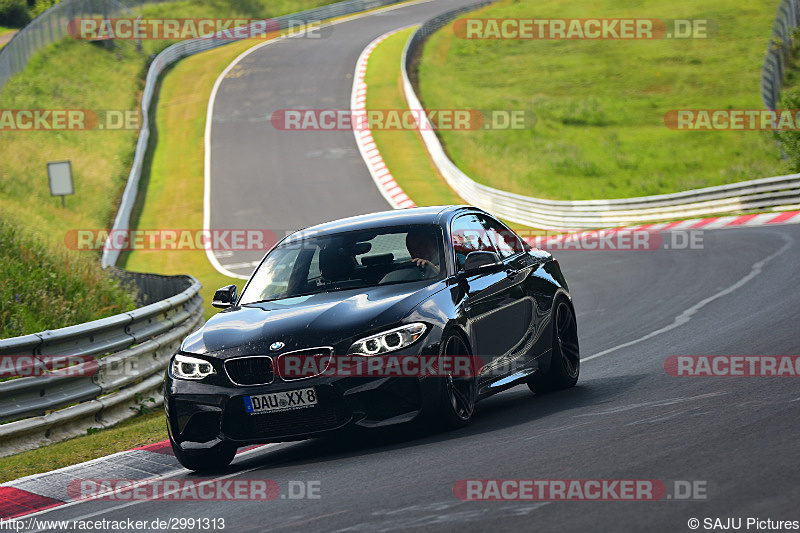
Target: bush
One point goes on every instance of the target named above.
(14, 13)
(40, 6)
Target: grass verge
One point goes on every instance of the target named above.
(600, 104)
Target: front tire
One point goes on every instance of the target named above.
(458, 394)
(204, 460)
(565, 358)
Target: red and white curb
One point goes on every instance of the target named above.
(384, 180)
(47, 490)
(726, 222)
(732, 221)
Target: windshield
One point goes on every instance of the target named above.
(348, 260)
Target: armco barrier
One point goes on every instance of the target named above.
(744, 196)
(49, 27)
(778, 51)
(194, 46)
(130, 352)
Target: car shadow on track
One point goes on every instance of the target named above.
(511, 408)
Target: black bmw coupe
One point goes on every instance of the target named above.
(374, 320)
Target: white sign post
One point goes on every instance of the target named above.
(60, 174)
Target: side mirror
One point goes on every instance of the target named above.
(224, 297)
(481, 262)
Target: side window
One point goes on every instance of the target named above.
(469, 235)
(505, 240)
(313, 269)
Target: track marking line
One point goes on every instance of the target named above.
(686, 315)
(664, 416)
(655, 403)
(237, 266)
(307, 520)
(557, 430)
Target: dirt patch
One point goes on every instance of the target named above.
(7, 37)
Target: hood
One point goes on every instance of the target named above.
(329, 319)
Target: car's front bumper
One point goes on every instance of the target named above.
(200, 415)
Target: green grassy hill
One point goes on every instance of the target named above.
(601, 103)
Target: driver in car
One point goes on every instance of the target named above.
(424, 251)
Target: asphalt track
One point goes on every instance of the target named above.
(626, 419)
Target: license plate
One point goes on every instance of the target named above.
(281, 401)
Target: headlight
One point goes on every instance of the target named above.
(388, 341)
(185, 367)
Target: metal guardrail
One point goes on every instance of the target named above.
(130, 352)
(778, 51)
(49, 27)
(183, 49)
(152, 287)
(584, 214)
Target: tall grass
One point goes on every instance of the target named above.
(44, 290)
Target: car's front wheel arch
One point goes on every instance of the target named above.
(458, 393)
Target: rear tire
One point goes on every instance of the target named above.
(204, 460)
(565, 358)
(458, 394)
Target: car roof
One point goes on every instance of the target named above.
(437, 214)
